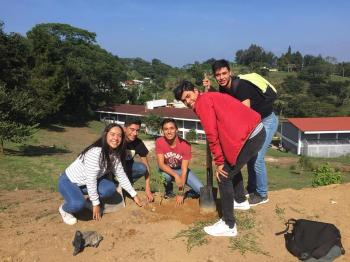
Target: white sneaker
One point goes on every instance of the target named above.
(68, 218)
(241, 206)
(220, 229)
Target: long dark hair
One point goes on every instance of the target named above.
(107, 157)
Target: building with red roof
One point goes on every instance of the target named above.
(316, 136)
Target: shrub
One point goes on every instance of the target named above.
(326, 175)
(191, 135)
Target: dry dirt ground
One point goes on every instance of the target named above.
(31, 228)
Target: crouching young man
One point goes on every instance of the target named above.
(173, 157)
(135, 146)
(235, 135)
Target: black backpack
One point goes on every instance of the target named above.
(311, 239)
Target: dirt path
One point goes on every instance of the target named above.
(31, 228)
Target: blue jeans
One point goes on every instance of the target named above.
(192, 181)
(257, 174)
(74, 200)
(135, 170)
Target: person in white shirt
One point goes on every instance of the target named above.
(87, 175)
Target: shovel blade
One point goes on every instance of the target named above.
(207, 202)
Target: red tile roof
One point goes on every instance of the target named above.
(321, 123)
(183, 113)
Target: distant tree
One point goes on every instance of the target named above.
(310, 60)
(18, 106)
(316, 73)
(293, 85)
(290, 61)
(297, 60)
(71, 75)
(152, 122)
(343, 69)
(340, 90)
(255, 56)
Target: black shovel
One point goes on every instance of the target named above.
(208, 192)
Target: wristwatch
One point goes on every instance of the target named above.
(181, 191)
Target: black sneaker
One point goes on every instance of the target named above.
(255, 199)
(168, 195)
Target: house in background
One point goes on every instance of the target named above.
(316, 137)
(185, 118)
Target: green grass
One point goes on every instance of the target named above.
(277, 153)
(96, 126)
(280, 212)
(249, 233)
(194, 235)
(23, 172)
(246, 241)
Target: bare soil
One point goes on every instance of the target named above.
(31, 228)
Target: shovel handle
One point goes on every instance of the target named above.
(209, 167)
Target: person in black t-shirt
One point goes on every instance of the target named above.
(135, 146)
(251, 96)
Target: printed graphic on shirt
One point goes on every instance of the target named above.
(173, 159)
(130, 154)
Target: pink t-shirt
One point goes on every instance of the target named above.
(173, 156)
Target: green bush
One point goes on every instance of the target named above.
(191, 135)
(326, 175)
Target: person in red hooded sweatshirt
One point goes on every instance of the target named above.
(235, 134)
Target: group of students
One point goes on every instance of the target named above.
(239, 124)
(113, 153)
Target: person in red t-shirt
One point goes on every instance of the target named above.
(173, 157)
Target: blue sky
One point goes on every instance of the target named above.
(179, 32)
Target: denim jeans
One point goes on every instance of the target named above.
(232, 185)
(192, 181)
(74, 200)
(135, 170)
(257, 174)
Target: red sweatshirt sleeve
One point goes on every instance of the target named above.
(204, 108)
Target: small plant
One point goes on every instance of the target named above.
(159, 180)
(280, 212)
(195, 234)
(247, 240)
(245, 220)
(326, 175)
(191, 135)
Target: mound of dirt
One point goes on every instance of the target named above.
(31, 228)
